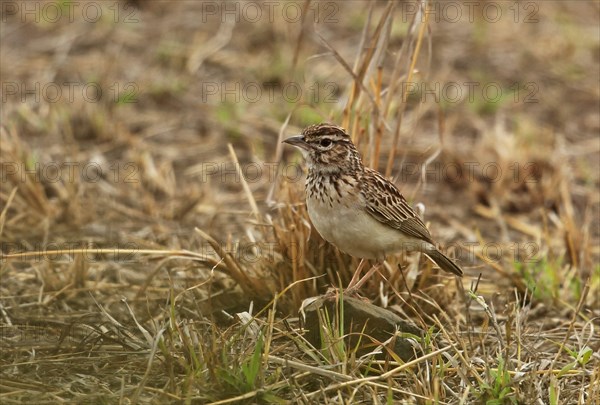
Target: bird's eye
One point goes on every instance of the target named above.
(325, 142)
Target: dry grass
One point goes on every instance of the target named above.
(169, 246)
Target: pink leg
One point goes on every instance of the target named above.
(356, 283)
(356, 275)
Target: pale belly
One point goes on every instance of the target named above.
(356, 233)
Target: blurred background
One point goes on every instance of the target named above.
(125, 125)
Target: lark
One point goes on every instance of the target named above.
(355, 207)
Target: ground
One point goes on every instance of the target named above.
(156, 246)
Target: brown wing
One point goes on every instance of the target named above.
(393, 209)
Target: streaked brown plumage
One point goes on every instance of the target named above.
(355, 207)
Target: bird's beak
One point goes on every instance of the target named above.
(297, 141)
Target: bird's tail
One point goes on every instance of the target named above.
(444, 262)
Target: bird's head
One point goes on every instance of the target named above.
(326, 147)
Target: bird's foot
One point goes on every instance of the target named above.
(334, 293)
